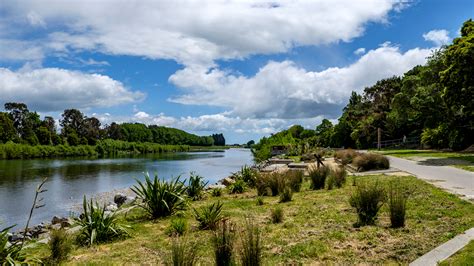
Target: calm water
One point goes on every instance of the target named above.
(70, 179)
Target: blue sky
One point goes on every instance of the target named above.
(243, 68)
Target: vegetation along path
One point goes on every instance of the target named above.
(452, 179)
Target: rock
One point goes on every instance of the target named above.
(210, 187)
(55, 226)
(15, 238)
(111, 207)
(120, 199)
(60, 220)
(74, 230)
(227, 181)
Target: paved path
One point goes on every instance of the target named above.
(452, 179)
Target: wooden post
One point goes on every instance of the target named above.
(379, 138)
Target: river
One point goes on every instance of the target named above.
(70, 179)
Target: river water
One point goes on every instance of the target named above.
(70, 179)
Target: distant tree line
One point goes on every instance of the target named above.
(434, 102)
(20, 125)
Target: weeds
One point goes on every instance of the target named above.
(276, 215)
(397, 200)
(60, 245)
(216, 192)
(367, 199)
(286, 195)
(196, 185)
(177, 227)
(209, 216)
(183, 253)
(223, 243)
(251, 250)
(260, 201)
(318, 177)
(237, 187)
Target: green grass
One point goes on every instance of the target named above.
(317, 228)
(463, 257)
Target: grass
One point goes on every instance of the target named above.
(460, 160)
(318, 227)
(463, 257)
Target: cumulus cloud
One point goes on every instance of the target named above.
(438, 37)
(359, 51)
(54, 89)
(223, 29)
(284, 90)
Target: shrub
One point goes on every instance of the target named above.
(251, 250)
(371, 161)
(177, 227)
(338, 176)
(9, 254)
(209, 216)
(294, 179)
(60, 245)
(223, 243)
(286, 195)
(183, 253)
(267, 184)
(248, 175)
(318, 177)
(216, 192)
(260, 201)
(277, 215)
(397, 200)
(237, 187)
(330, 182)
(97, 226)
(367, 199)
(196, 185)
(161, 198)
(346, 156)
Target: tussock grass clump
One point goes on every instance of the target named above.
(397, 202)
(98, 226)
(196, 185)
(269, 184)
(338, 176)
(276, 215)
(260, 201)
(60, 246)
(161, 198)
(223, 243)
(367, 199)
(237, 187)
(371, 161)
(346, 156)
(183, 253)
(318, 177)
(286, 195)
(294, 179)
(251, 249)
(216, 192)
(177, 227)
(209, 216)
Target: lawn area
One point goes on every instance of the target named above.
(317, 227)
(460, 160)
(463, 257)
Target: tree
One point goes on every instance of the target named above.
(44, 135)
(7, 130)
(324, 131)
(72, 122)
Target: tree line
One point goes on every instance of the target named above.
(19, 125)
(433, 102)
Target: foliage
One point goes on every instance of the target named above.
(286, 194)
(60, 245)
(251, 250)
(223, 243)
(209, 216)
(260, 201)
(367, 199)
(268, 184)
(293, 179)
(177, 227)
(371, 161)
(216, 192)
(318, 177)
(196, 186)
(161, 198)
(237, 187)
(276, 215)
(248, 175)
(97, 225)
(9, 254)
(338, 176)
(397, 202)
(183, 252)
(345, 156)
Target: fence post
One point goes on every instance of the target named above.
(379, 138)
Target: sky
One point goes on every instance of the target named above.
(242, 68)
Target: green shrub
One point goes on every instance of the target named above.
(330, 182)
(260, 201)
(196, 187)
(223, 243)
(237, 187)
(338, 177)
(276, 215)
(183, 253)
(371, 161)
(209, 216)
(216, 192)
(251, 249)
(248, 175)
(177, 227)
(98, 226)
(60, 245)
(367, 199)
(397, 200)
(161, 198)
(286, 194)
(318, 177)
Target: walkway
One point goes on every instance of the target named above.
(454, 180)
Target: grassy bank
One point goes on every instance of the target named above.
(318, 226)
(460, 160)
(463, 257)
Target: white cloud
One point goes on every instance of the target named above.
(438, 37)
(53, 89)
(359, 51)
(16, 50)
(284, 90)
(199, 32)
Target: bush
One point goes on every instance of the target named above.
(318, 177)
(183, 253)
(346, 156)
(286, 195)
(251, 251)
(97, 226)
(248, 175)
(9, 254)
(223, 243)
(177, 227)
(397, 200)
(367, 199)
(60, 245)
(237, 187)
(216, 192)
(371, 161)
(209, 216)
(277, 215)
(337, 177)
(260, 201)
(161, 198)
(268, 184)
(196, 187)
(294, 179)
